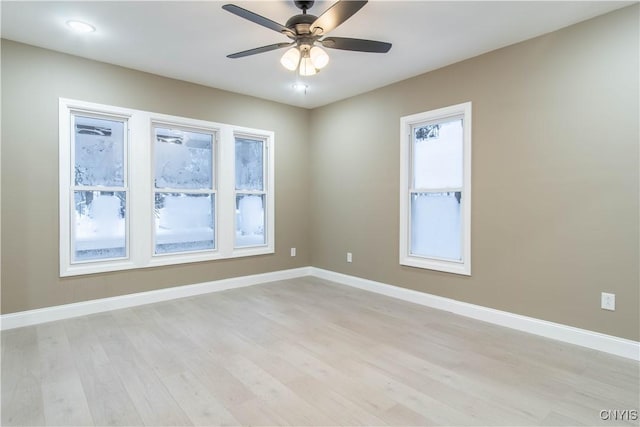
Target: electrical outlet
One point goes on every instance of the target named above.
(349, 257)
(293, 251)
(608, 301)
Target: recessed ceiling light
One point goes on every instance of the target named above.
(80, 27)
(300, 87)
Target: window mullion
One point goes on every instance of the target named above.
(226, 192)
(141, 222)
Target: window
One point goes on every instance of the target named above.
(99, 188)
(435, 193)
(140, 189)
(250, 192)
(184, 190)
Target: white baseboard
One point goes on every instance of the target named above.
(66, 311)
(569, 334)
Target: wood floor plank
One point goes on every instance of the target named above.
(202, 408)
(65, 403)
(339, 409)
(151, 399)
(108, 400)
(356, 391)
(21, 378)
(22, 405)
(555, 419)
(64, 399)
(302, 352)
(226, 388)
(281, 400)
(148, 394)
(55, 354)
(257, 412)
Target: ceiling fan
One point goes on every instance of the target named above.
(306, 32)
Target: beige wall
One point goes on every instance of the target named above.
(32, 81)
(555, 177)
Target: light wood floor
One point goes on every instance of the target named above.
(302, 352)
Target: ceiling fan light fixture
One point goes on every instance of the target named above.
(306, 67)
(319, 57)
(304, 31)
(291, 59)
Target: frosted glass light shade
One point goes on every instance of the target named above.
(290, 59)
(319, 57)
(306, 67)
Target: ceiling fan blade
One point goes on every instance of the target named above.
(337, 14)
(258, 19)
(359, 45)
(259, 50)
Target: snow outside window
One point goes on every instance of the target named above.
(435, 190)
(141, 189)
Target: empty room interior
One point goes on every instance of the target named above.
(320, 213)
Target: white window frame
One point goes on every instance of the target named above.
(125, 187)
(140, 199)
(189, 126)
(267, 179)
(462, 267)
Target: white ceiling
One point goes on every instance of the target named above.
(190, 40)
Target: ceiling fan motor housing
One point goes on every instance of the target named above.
(301, 24)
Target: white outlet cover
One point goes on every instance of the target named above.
(293, 251)
(608, 301)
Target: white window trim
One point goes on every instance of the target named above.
(267, 179)
(139, 152)
(406, 123)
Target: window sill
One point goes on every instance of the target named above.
(161, 260)
(437, 265)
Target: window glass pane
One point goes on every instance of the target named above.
(99, 152)
(435, 225)
(250, 220)
(249, 164)
(183, 159)
(99, 225)
(184, 222)
(437, 155)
